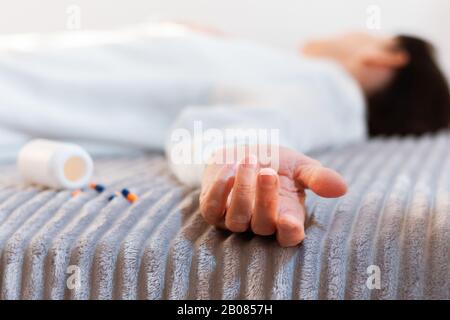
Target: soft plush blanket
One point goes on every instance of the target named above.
(388, 238)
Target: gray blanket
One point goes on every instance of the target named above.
(387, 238)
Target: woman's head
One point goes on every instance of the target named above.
(405, 90)
(417, 100)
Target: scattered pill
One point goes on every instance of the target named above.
(125, 192)
(132, 197)
(129, 195)
(97, 187)
(114, 195)
(76, 193)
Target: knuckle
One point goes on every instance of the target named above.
(289, 232)
(244, 189)
(289, 225)
(202, 198)
(237, 222)
(210, 208)
(266, 203)
(285, 210)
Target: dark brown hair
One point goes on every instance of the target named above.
(417, 100)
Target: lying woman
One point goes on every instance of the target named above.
(174, 87)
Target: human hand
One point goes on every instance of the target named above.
(247, 195)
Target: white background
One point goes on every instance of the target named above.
(281, 23)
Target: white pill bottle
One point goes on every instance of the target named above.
(55, 164)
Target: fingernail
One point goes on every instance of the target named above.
(268, 176)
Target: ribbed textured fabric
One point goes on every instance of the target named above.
(395, 216)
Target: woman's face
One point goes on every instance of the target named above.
(371, 60)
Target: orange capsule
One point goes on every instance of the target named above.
(76, 192)
(132, 197)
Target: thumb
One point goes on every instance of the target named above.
(322, 181)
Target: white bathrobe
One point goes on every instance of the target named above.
(132, 88)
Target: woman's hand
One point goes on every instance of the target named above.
(247, 195)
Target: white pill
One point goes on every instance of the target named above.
(55, 164)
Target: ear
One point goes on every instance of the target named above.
(385, 58)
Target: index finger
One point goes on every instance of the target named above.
(214, 200)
